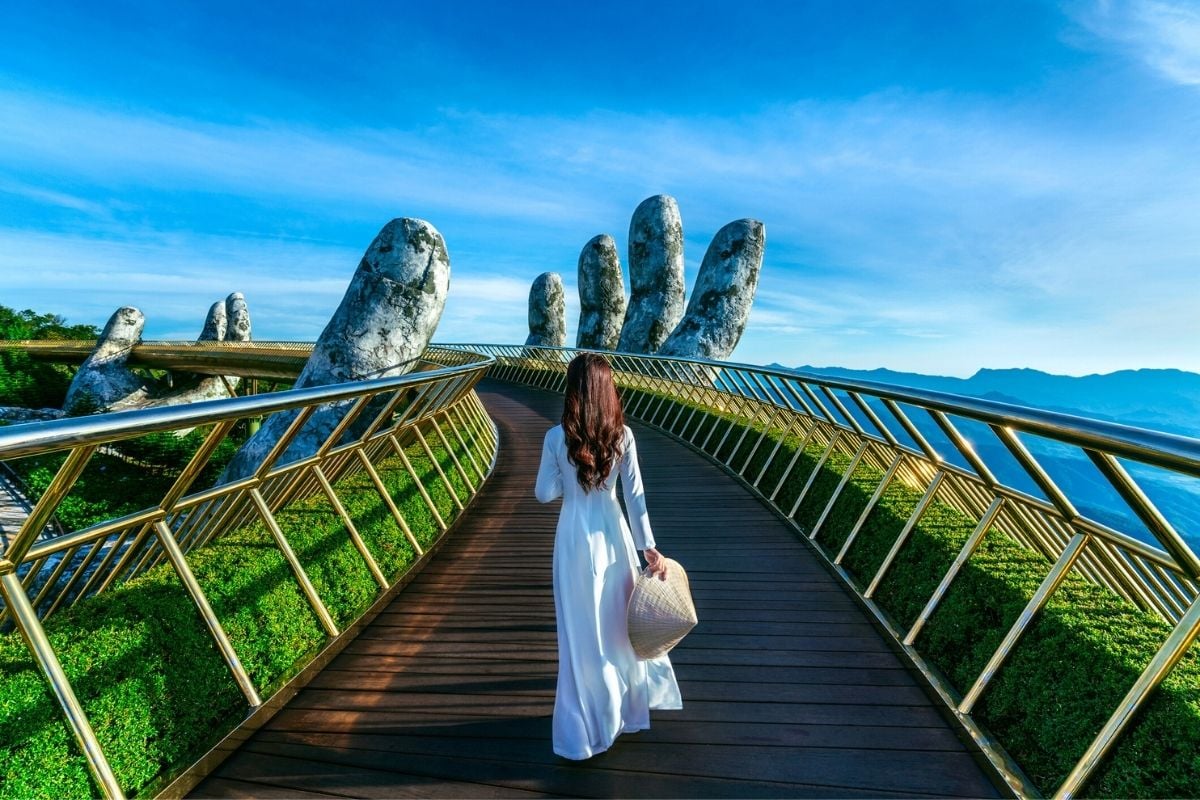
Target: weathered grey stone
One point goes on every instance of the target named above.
(238, 316)
(227, 319)
(386, 319)
(601, 295)
(724, 292)
(547, 311)
(655, 275)
(18, 414)
(214, 323)
(103, 381)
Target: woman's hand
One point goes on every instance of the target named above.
(656, 563)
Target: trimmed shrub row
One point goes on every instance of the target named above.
(1065, 677)
(144, 666)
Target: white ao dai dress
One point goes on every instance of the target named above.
(603, 688)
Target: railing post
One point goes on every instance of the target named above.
(892, 469)
(913, 519)
(1052, 581)
(462, 473)
(436, 466)
(833, 498)
(167, 537)
(289, 555)
(388, 501)
(968, 549)
(796, 456)
(770, 459)
(433, 509)
(351, 528)
(812, 476)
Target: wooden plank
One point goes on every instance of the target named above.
(398, 685)
(230, 787)
(349, 700)
(566, 779)
(666, 730)
(309, 775)
(762, 674)
(462, 628)
(889, 770)
(482, 610)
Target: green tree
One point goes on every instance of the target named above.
(23, 381)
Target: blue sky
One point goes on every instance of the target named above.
(945, 186)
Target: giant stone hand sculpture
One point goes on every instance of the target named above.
(386, 319)
(104, 382)
(724, 292)
(601, 295)
(237, 319)
(655, 275)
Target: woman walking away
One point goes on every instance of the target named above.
(603, 688)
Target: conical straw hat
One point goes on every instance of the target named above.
(660, 612)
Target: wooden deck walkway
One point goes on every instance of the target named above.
(789, 689)
(14, 509)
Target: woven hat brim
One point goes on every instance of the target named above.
(660, 612)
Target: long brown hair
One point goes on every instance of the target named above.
(592, 419)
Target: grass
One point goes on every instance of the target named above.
(1064, 678)
(145, 668)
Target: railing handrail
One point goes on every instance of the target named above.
(40, 437)
(1157, 448)
(269, 360)
(83, 344)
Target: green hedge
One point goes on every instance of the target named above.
(1067, 674)
(144, 666)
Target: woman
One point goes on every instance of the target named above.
(603, 688)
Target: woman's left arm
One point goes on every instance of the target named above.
(635, 496)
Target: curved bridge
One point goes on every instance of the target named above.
(789, 689)
(888, 580)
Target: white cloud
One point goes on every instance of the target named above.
(1163, 35)
(50, 197)
(173, 277)
(394, 168)
(491, 289)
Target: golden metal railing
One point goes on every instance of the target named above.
(378, 420)
(865, 423)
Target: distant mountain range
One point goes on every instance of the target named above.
(1161, 399)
